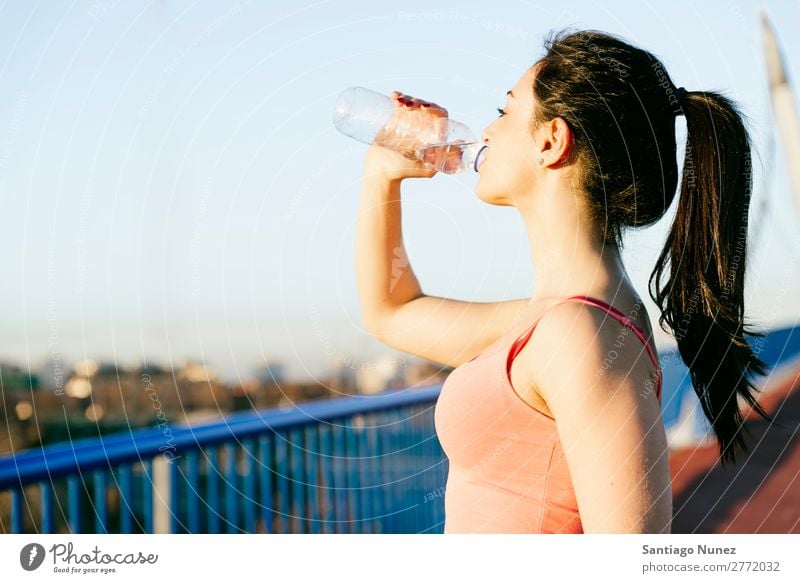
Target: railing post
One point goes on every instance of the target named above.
(265, 470)
(161, 495)
(126, 499)
(17, 498)
(48, 512)
(74, 503)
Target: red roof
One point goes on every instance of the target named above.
(761, 492)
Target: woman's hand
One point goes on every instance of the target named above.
(415, 123)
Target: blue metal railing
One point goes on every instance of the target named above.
(349, 465)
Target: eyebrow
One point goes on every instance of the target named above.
(509, 93)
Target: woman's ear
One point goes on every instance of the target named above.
(556, 142)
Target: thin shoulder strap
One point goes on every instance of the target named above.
(522, 340)
(625, 320)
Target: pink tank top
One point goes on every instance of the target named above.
(507, 470)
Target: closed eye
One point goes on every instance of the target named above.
(501, 112)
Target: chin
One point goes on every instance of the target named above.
(482, 189)
(490, 194)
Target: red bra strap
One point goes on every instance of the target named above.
(521, 341)
(625, 320)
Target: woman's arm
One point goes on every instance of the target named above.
(608, 418)
(393, 306)
(384, 277)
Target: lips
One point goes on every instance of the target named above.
(480, 157)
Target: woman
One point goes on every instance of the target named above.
(561, 430)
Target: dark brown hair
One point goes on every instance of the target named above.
(621, 106)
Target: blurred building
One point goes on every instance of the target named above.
(425, 373)
(272, 372)
(342, 377)
(94, 397)
(146, 394)
(14, 378)
(384, 373)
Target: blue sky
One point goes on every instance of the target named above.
(172, 186)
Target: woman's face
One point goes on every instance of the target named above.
(508, 173)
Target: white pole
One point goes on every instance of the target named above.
(784, 106)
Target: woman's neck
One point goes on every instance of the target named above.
(567, 251)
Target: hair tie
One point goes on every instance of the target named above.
(680, 96)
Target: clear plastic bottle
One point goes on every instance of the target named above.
(449, 147)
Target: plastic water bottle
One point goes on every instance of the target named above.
(447, 146)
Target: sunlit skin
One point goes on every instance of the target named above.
(610, 425)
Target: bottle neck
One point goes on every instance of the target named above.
(476, 153)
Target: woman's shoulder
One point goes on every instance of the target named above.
(574, 346)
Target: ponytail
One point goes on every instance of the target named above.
(703, 299)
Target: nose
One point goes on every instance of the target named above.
(487, 133)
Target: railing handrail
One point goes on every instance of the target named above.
(58, 460)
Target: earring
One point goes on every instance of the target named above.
(540, 161)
